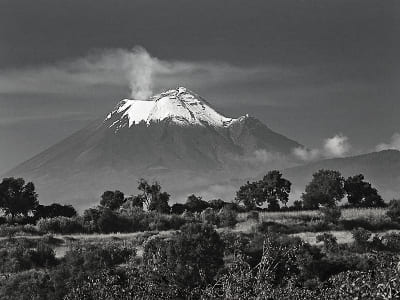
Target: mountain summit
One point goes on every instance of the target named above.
(180, 105)
(174, 137)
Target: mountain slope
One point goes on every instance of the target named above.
(175, 137)
(382, 169)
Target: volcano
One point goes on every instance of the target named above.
(175, 137)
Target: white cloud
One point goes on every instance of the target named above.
(136, 69)
(306, 154)
(336, 146)
(393, 144)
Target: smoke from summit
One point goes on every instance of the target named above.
(140, 72)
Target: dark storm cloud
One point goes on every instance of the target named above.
(258, 31)
(309, 69)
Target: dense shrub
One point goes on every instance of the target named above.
(391, 242)
(33, 284)
(361, 238)
(176, 222)
(277, 265)
(195, 204)
(16, 256)
(234, 242)
(94, 256)
(159, 222)
(43, 255)
(331, 265)
(192, 258)
(217, 204)
(134, 283)
(383, 282)
(110, 221)
(54, 210)
(81, 261)
(227, 217)
(7, 230)
(329, 240)
(62, 225)
(209, 216)
(178, 208)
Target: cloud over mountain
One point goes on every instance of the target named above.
(336, 146)
(394, 143)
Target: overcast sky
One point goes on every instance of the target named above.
(310, 69)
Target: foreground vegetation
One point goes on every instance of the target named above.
(140, 247)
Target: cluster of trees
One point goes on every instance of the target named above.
(151, 198)
(19, 199)
(327, 188)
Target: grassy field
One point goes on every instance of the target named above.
(244, 225)
(347, 214)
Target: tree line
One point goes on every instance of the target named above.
(327, 188)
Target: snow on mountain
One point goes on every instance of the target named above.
(180, 105)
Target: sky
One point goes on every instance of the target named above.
(321, 72)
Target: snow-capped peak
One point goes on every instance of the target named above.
(179, 105)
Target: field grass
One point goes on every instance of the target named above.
(347, 214)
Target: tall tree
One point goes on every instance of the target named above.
(360, 193)
(149, 191)
(271, 189)
(251, 195)
(112, 200)
(326, 188)
(160, 203)
(16, 197)
(152, 197)
(276, 188)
